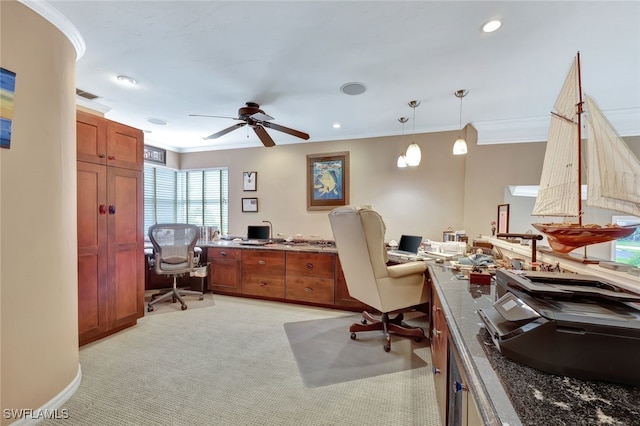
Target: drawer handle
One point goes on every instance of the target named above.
(261, 262)
(262, 284)
(309, 265)
(308, 289)
(435, 332)
(111, 157)
(223, 253)
(436, 309)
(436, 370)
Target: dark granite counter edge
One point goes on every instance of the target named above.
(485, 400)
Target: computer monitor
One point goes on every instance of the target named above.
(410, 243)
(258, 232)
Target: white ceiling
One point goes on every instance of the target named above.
(292, 57)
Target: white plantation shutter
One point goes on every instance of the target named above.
(199, 197)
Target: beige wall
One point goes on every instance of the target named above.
(424, 200)
(38, 278)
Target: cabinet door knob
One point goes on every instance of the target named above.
(223, 253)
(435, 332)
(111, 157)
(262, 284)
(309, 265)
(261, 262)
(112, 209)
(102, 155)
(102, 209)
(435, 370)
(308, 289)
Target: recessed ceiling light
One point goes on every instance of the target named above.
(127, 80)
(353, 88)
(491, 26)
(336, 125)
(158, 121)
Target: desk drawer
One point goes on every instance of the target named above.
(223, 253)
(317, 290)
(263, 262)
(263, 285)
(320, 265)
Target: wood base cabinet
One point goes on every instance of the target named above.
(110, 231)
(224, 276)
(310, 277)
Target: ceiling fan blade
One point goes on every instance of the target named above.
(263, 135)
(261, 116)
(280, 128)
(225, 131)
(213, 116)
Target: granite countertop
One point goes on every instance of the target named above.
(319, 246)
(508, 392)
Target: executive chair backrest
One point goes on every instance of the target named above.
(359, 236)
(174, 245)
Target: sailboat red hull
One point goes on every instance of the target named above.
(564, 238)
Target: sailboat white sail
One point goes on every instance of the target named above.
(613, 172)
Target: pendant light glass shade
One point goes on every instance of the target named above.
(460, 147)
(414, 155)
(402, 162)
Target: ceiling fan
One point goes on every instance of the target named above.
(252, 115)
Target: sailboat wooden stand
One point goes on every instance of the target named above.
(612, 172)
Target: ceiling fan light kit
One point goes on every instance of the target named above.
(254, 117)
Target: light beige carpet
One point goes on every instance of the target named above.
(231, 364)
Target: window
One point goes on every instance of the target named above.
(627, 250)
(199, 197)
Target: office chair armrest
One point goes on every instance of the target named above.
(404, 269)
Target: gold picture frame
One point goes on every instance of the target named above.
(327, 180)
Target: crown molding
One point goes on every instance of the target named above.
(536, 129)
(53, 15)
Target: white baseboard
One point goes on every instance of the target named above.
(50, 409)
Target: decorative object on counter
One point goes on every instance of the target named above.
(7, 88)
(503, 218)
(249, 181)
(493, 228)
(561, 180)
(249, 205)
(327, 180)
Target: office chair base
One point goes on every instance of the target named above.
(388, 326)
(176, 295)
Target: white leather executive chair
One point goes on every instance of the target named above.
(174, 248)
(359, 236)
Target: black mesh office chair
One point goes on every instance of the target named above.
(174, 246)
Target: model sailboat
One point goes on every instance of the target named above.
(612, 172)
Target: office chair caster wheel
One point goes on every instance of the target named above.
(363, 322)
(149, 308)
(201, 298)
(183, 307)
(417, 339)
(387, 347)
(353, 336)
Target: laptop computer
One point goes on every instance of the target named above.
(408, 246)
(257, 235)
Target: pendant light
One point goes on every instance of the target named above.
(413, 155)
(402, 159)
(460, 146)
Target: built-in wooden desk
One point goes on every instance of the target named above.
(306, 273)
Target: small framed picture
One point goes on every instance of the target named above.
(249, 205)
(503, 218)
(250, 181)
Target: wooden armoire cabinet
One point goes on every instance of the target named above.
(110, 226)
